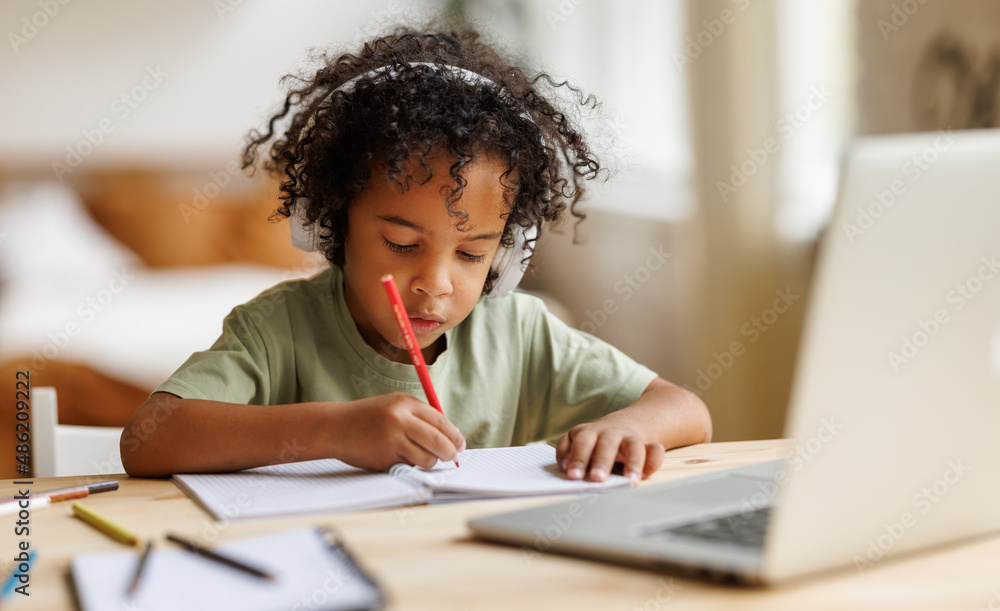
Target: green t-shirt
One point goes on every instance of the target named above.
(511, 372)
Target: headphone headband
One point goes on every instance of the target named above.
(469, 76)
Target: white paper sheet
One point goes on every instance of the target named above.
(309, 575)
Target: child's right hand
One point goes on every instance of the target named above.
(382, 431)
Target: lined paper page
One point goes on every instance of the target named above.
(306, 570)
(522, 470)
(303, 487)
(330, 485)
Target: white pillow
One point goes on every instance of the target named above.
(46, 236)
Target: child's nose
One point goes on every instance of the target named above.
(433, 279)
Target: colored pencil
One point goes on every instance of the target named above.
(65, 494)
(195, 548)
(13, 507)
(104, 525)
(403, 319)
(134, 585)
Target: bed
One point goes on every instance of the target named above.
(109, 283)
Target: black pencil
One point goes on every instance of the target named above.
(139, 568)
(207, 553)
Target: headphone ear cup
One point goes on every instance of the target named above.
(304, 234)
(511, 263)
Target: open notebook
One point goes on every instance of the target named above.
(331, 485)
(311, 572)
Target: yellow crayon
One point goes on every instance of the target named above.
(104, 525)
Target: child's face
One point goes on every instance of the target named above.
(440, 271)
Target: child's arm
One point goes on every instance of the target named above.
(170, 435)
(664, 416)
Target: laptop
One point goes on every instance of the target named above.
(895, 406)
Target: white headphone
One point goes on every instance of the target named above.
(510, 263)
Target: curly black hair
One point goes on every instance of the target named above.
(335, 139)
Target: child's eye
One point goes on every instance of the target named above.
(472, 258)
(397, 247)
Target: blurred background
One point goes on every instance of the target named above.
(127, 231)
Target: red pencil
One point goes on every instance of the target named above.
(389, 283)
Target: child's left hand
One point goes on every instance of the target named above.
(664, 416)
(592, 449)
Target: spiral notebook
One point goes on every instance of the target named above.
(330, 485)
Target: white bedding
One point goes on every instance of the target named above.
(69, 291)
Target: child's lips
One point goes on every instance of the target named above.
(423, 326)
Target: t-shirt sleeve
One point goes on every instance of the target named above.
(573, 377)
(233, 370)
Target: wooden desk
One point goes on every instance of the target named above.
(424, 558)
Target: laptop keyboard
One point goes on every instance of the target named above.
(743, 528)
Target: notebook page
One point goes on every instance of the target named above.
(313, 486)
(521, 470)
(308, 574)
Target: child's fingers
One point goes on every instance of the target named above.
(412, 453)
(603, 458)
(439, 422)
(562, 448)
(634, 456)
(655, 455)
(423, 446)
(433, 434)
(581, 446)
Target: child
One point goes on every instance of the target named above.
(434, 158)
